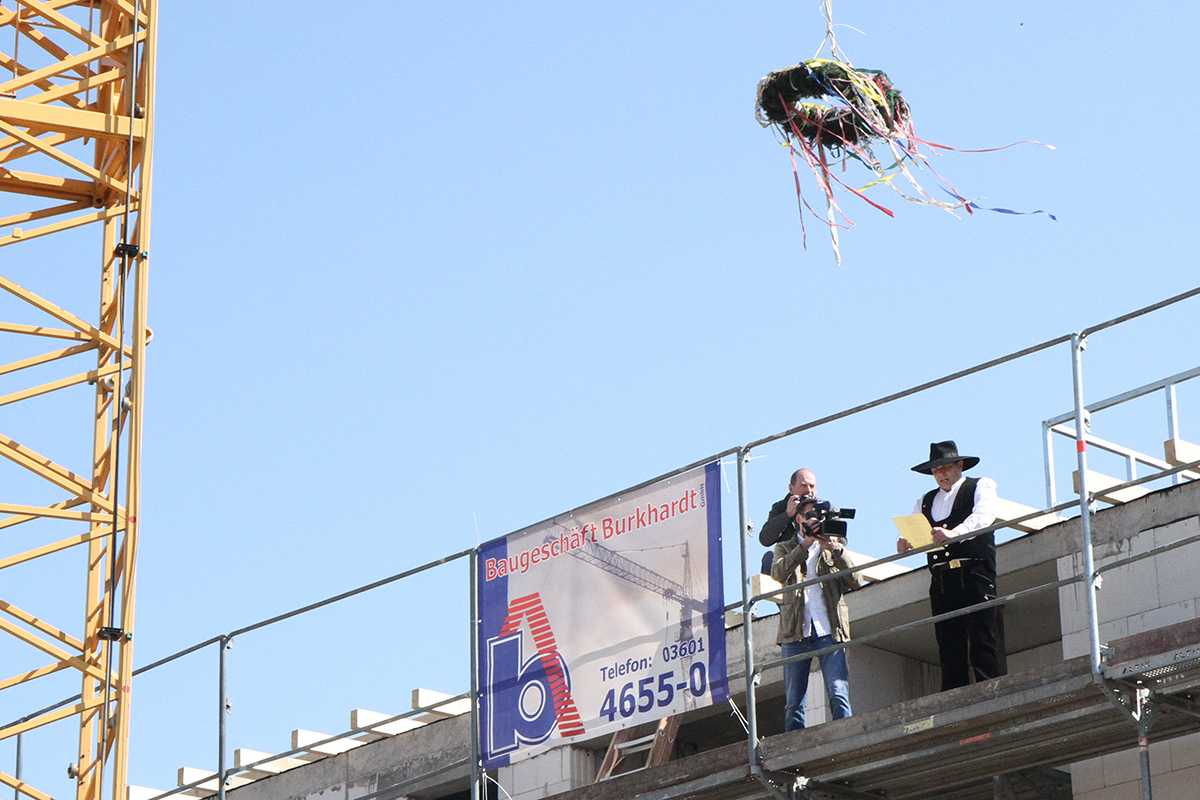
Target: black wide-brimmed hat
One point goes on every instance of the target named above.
(942, 453)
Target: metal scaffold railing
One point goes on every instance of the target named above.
(1128, 705)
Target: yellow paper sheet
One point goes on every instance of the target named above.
(915, 529)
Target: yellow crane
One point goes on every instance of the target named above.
(76, 129)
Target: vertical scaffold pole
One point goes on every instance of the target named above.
(1048, 464)
(1172, 424)
(222, 711)
(476, 771)
(1145, 720)
(747, 615)
(1078, 345)
(17, 773)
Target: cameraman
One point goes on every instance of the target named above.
(817, 616)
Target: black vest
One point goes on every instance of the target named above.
(981, 547)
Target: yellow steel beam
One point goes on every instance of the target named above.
(38, 330)
(56, 474)
(55, 547)
(33, 77)
(91, 376)
(47, 44)
(12, 150)
(32, 674)
(53, 186)
(67, 92)
(59, 227)
(47, 718)
(49, 12)
(49, 512)
(22, 787)
(46, 358)
(50, 649)
(66, 159)
(60, 314)
(10, 64)
(34, 622)
(43, 213)
(30, 114)
(20, 519)
(7, 17)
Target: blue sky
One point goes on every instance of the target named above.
(425, 274)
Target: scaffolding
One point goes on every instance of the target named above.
(1000, 738)
(995, 736)
(76, 124)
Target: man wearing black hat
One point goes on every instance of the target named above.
(963, 572)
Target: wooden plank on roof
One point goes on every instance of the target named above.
(761, 584)
(879, 572)
(1180, 452)
(445, 706)
(375, 722)
(317, 743)
(192, 775)
(141, 792)
(1007, 509)
(1099, 484)
(243, 757)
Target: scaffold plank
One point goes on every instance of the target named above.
(380, 723)
(322, 743)
(949, 745)
(439, 704)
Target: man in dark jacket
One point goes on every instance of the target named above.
(816, 616)
(963, 572)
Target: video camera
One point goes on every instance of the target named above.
(832, 518)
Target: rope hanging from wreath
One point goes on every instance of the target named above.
(825, 110)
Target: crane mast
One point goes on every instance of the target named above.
(76, 128)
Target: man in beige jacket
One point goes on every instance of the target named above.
(815, 616)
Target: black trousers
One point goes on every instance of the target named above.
(967, 645)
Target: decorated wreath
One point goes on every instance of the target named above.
(825, 109)
(872, 105)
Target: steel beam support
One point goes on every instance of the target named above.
(1180, 704)
(768, 783)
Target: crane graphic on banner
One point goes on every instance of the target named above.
(627, 569)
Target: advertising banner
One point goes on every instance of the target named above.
(601, 619)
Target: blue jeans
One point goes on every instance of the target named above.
(795, 680)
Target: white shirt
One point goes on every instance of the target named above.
(983, 513)
(816, 615)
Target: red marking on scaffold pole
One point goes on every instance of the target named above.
(1081, 446)
(978, 738)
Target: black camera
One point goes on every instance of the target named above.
(832, 519)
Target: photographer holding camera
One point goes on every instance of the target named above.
(809, 539)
